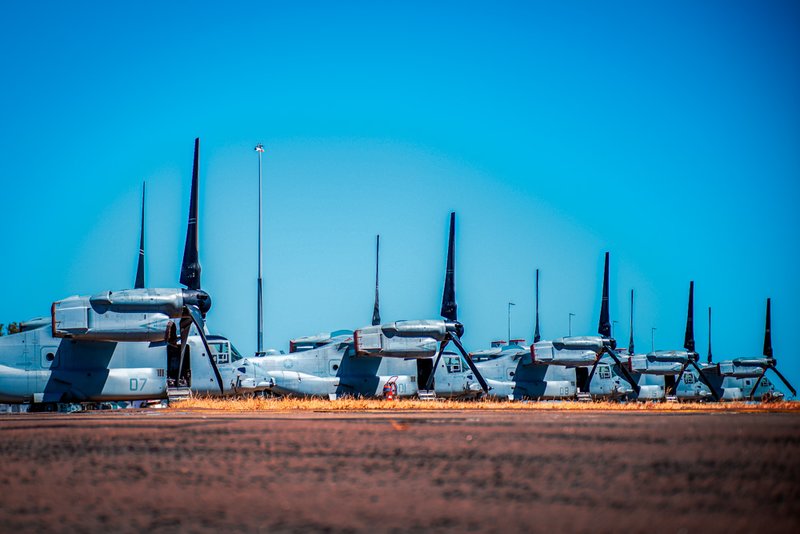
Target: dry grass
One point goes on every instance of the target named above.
(286, 404)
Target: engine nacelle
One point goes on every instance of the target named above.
(165, 301)
(741, 370)
(373, 341)
(671, 356)
(592, 343)
(76, 317)
(644, 364)
(418, 329)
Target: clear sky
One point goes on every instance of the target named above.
(667, 133)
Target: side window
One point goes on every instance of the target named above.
(688, 378)
(604, 371)
(766, 382)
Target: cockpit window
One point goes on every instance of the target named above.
(220, 351)
(453, 364)
(235, 356)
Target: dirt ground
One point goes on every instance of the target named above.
(387, 472)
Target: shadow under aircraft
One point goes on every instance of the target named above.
(134, 344)
(404, 356)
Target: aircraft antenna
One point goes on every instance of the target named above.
(260, 296)
(376, 314)
(536, 335)
(139, 283)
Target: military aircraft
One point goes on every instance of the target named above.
(122, 345)
(743, 378)
(511, 374)
(586, 353)
(673, 364)
(407, 355)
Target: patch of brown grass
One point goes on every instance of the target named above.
(288, 404)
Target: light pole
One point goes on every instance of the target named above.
(260, 315)
(509, 321)
(571, 315)
(652, 339)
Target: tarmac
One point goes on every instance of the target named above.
(474, 471)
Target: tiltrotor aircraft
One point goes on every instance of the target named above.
(408, 355)
(122, 345)
(586, 353)
(673, 364)
(744, 378)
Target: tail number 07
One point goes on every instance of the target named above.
(137, 384)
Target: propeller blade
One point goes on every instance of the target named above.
(442, 345)
(624, 370)
(591, 374)
(472, 366)
(604, 327)
(680, 375)
(688, 340)
(630, 343)
(197, 318)
(449, 306)
(768, 333)
(536, 336)
(186, 324)
(139, 283)
(706, 381)
(376, 314)
(709, 334)
(755, 386)
(783, 379)
(190, 268)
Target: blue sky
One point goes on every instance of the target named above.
(664, 132)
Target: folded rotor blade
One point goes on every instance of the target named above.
(449, 306)
(755, 386)
(783, 379)
(591, 375)
(478, 375)
(197, 318)
(604, 326)
(186, 324)
(680, 375)
(688, 340)
(704, 379)
(442, 345)
(139, 282)
(624, 370)
(190, 268)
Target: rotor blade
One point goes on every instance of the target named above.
(449, 306)
(604, 327)
(755, 386)
(190, 268)
(442, 345)
(783, 379)
(688, 340)
(706, 381)
(139, 283)
(376, 314)
(768, 333)
(680, 375)
(186, 324)
(197, 319)
(591, 374)
(478, 375)
(624, 370)
(709, 334)
(630, 343)
(536, 336)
